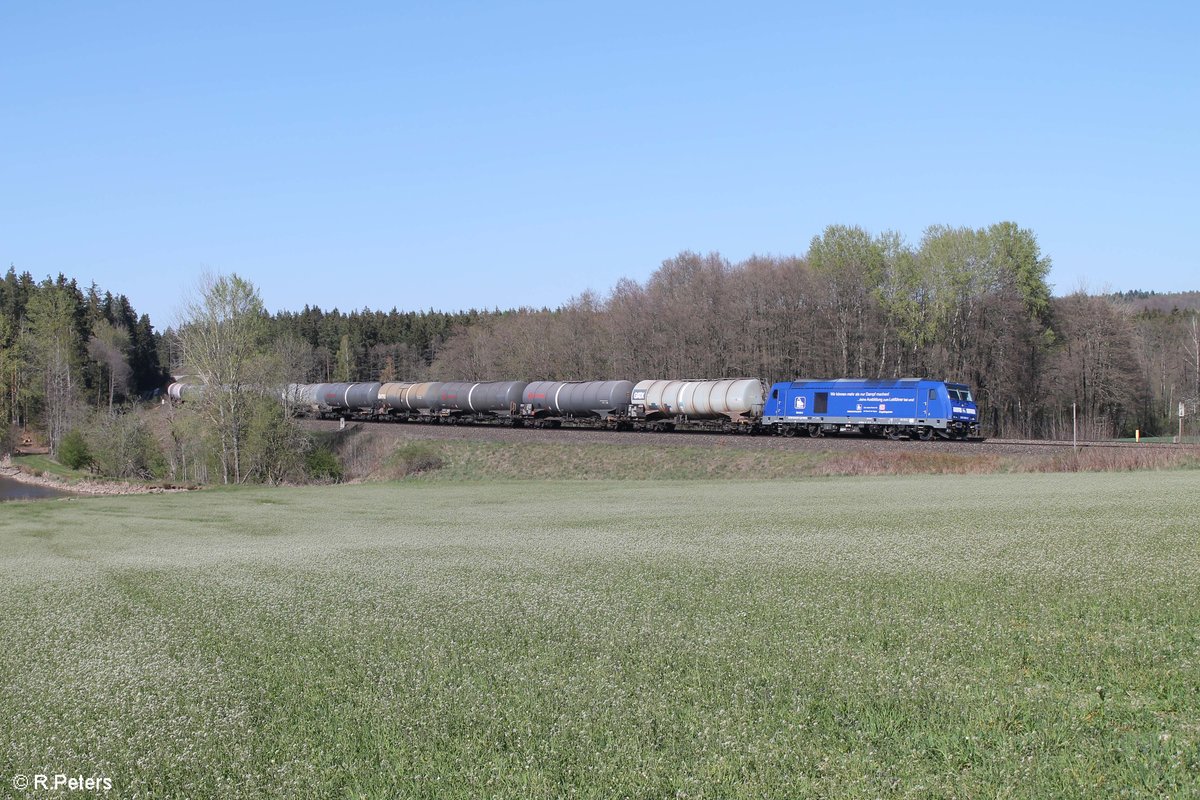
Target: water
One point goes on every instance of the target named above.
(14, 490)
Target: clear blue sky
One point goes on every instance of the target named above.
(455, 155)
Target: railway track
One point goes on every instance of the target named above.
(400, 432)
(1088, 444)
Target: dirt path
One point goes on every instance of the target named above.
(89, 487)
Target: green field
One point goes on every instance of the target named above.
(918, 636)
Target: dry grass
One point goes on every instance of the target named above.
(916, 463)
(1118, 459)
(372, 458)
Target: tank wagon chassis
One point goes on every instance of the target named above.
(909, 408)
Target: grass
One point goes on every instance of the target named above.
(39, 465)
(74, 479)
(1167, 439)
(969, 636)
(382, 459)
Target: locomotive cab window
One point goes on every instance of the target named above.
(821, 403)
(933, 394)
(774, 394)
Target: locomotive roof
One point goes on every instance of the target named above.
(868, 382)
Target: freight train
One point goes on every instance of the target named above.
(904, 408)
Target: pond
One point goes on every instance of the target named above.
(15, 490)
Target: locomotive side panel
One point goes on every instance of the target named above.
(909, 407)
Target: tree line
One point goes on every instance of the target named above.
(66, 350)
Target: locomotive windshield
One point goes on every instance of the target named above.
(962, 395)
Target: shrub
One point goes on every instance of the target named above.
(124, 447)
(275, 446)
(322, 465)
(73, 450)
(412, 459)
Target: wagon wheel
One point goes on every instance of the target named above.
(814, 431)
(891, 432)
(925, 433)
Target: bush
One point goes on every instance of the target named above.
(123, 446)
(73, 450)
(322, 465)
(275, 446)
(412, 459)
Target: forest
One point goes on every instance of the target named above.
(964, 304)
(67, 353)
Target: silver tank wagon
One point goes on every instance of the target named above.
(576, 398)
(349, 396)
(498, 397)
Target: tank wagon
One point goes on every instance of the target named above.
(301, 395)
(576, 403)
(182, 391)
(355, 398)
(909, 407)
(726, 405)
(457, 400)
(409, 400)
(432, 401)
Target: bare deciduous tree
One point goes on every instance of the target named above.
(220, 336)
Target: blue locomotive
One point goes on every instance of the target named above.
(908, 407)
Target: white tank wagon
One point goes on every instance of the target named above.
(301, 395)
(737, 401)
(180, 392)
(551, 402)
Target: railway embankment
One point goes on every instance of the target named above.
(383, 451)
(396, 451)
